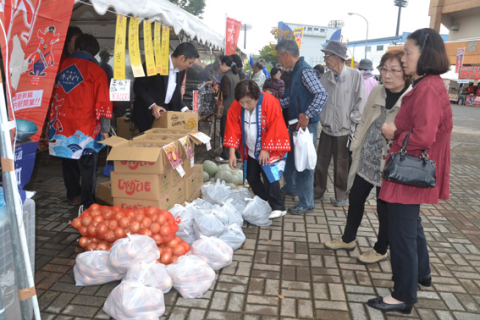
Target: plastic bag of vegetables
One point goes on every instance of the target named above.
(238, 197)
(210, 222)
(233, 236)
(184, 218)
(132, 300)
(192, 276)
(257, 211)
(216, 252)
(234, 216)
(133, 249)
(151, 274)
(94, 268)
(216, 194)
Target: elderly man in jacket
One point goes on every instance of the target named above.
(305, 102)
(343, 110)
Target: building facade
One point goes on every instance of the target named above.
(313, 39)
(461, 17)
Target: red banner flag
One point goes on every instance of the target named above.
(233, 33)
(459, 60)
(34, 32)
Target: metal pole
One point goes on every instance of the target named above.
(14, 208)
(398, 20)
(366, 40)
(245, 40)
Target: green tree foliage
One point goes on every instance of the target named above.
(195, 7)
(268, 52)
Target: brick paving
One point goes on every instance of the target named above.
(283, 271)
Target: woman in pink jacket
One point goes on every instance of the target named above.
(426, 112)
(366, 67)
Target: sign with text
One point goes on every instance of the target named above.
(195, 100)
(298, 33)
(119, 53)
(120, 90)
(232, 35)
(459, 60)
(134, 48)
(148, 45)
(469, 73)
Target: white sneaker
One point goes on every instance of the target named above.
(277, 214)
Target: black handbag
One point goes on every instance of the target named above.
(408, 169)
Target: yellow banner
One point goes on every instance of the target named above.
(119, 54)
(148, 44)
(158, 46)
(134, 48)
(298, 33)
(164, 59)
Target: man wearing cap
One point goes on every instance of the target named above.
(105, 57)
(305, 102)
(343, 110)
(365, 66)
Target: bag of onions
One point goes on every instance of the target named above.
(94, 268)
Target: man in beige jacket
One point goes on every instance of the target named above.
(343, 110)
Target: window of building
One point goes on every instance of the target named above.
(309, 29)
(369, 49)
(315, 29)
(380, 48)
(322, 30)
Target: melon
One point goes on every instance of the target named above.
(224, 176)
(231, 186)
(237, 179)
(206, 176)
(224, 167)
(212, 180)
(210, 167)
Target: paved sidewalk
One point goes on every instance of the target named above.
(283, 271)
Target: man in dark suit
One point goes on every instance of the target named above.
(162, 93)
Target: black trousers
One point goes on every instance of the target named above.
(357, 197)
(267, 191)
(86, 169)
(225, 152)
(408, 250)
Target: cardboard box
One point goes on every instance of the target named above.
(127, 203)
(191, 185)
(128, 159)
(177, 195)
(158, 137)
(104, 193)
(168, 131)
(177, 120)
(123, 128)
(143, 186)
(196, 195)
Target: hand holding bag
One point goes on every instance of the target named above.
(410, 170)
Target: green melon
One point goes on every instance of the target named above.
(224, 176)
(224, 167)
(210, 167)
(231, 186)
(206, 176)
(237, 179)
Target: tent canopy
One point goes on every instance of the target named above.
(98, 17)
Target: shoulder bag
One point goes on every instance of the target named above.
(410, 170)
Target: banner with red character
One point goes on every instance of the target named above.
(32, 42)
(233, 33)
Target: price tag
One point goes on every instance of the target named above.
(180, 171)
(192, 162)
(209, 146)
(173, 155)
(120, 90)
(200, 137)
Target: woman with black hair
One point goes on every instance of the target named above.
(69, 47)
(274, 85)
(238, 61)
(426, 116)
(226, 94)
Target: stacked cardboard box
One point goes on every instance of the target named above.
(177, 121)
(144, 177)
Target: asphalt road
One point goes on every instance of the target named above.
(466, 117)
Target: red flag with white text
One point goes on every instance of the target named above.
(233, 33)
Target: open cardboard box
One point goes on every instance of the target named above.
(104, 193)
(128, 159)
(168, 131)
(177, 120)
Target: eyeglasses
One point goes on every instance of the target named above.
(326, 56)
(385, 71)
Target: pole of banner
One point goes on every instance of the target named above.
(15, 215)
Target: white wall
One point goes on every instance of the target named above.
(469, 28)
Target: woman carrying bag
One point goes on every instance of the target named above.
(425, 119)
(255, 126)
(369, 149)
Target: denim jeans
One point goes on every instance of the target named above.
(300, 183)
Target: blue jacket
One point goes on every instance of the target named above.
(300, 96)
(266, 73)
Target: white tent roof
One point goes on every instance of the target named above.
(450, 74)
(182, 22)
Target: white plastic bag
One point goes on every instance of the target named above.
(151, 274)
(233, 236)
(192, 276)
(132, 300)
(94, 268)
(305, 153)
(214, 251)
(133, 249)
(233, 215)
(217, 194)
(238, 197)
(184, 218)
(210, 222)
(257, 211)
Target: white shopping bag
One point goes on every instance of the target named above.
(305, 153)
